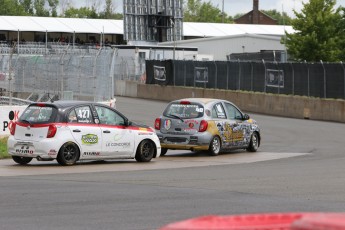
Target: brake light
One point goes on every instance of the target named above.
(185, 102)
(12, 127)
(158, 123)
(203, 126)
(41, 104)
(51, 131)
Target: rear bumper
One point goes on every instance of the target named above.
(185, 147)
(45, 149)
(185, 142)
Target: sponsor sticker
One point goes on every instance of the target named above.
(52, 152)
(167, 124)
(113, 144)
(24, 150)
(91, 153)
(89, 139)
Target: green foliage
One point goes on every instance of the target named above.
(40, 10)
(3, 148)
(28, 6)
(198, 11)
(11, 8)
(82, 12)
(320, 33)
(282, 19)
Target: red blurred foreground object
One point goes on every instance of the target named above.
(321, 221)
(268, 221)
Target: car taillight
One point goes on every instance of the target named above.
(51, 131)
(158, 123)
(203, 126)
(185, 102)
(12, 128)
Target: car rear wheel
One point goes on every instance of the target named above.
(163, 151)
(254, 143)
(145, 151)
(215, 146)
(22, 160)
(68, 154)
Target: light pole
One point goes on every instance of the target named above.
(174, 38)
(223, 12)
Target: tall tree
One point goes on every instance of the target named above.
(12, 8)
(53, 6)
(39, 8)
(198, 11)
(28, 6)
(282, 19)
(82, 12)
(108, 11)
(319, 32)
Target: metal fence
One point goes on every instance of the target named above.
(321, 80)
(66, 73)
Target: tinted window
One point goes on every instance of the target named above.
(39, 114)
(184, 111)
(108, 116)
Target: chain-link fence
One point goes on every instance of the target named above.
(66, 73)
(322, 80)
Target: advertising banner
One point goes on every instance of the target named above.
(8, 115)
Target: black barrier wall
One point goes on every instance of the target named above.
(322, 80)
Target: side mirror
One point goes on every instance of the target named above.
(246, 117)
(128, 122)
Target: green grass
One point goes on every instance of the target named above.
(3, 148)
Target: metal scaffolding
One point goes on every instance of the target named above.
(153, 20)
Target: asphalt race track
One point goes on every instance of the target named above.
(299, 168)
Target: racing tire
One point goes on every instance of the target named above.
(254, 143)
(163, 151)
(22, 160)
(145, 151)
(68, 154)
(215, 146)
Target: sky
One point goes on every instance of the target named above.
(231, 7)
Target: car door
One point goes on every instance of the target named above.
(237, 127)
(222, 123)
(118, 140)
(85, 132)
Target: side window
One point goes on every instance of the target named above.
(80, 115)
(218, 111)
(233, 112)
(108, 116)
(72, 117)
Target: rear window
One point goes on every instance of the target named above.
(184, 111)
(38, 115)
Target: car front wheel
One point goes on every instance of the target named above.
(68, 154)
(145, 151)
(22, 160)
(254, 143)
(215, 146)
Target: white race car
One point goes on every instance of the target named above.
(69, 131)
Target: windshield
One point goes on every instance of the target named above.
(184, 111)
(38, 114)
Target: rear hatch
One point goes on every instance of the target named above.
(33, 125)
(182, 118)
